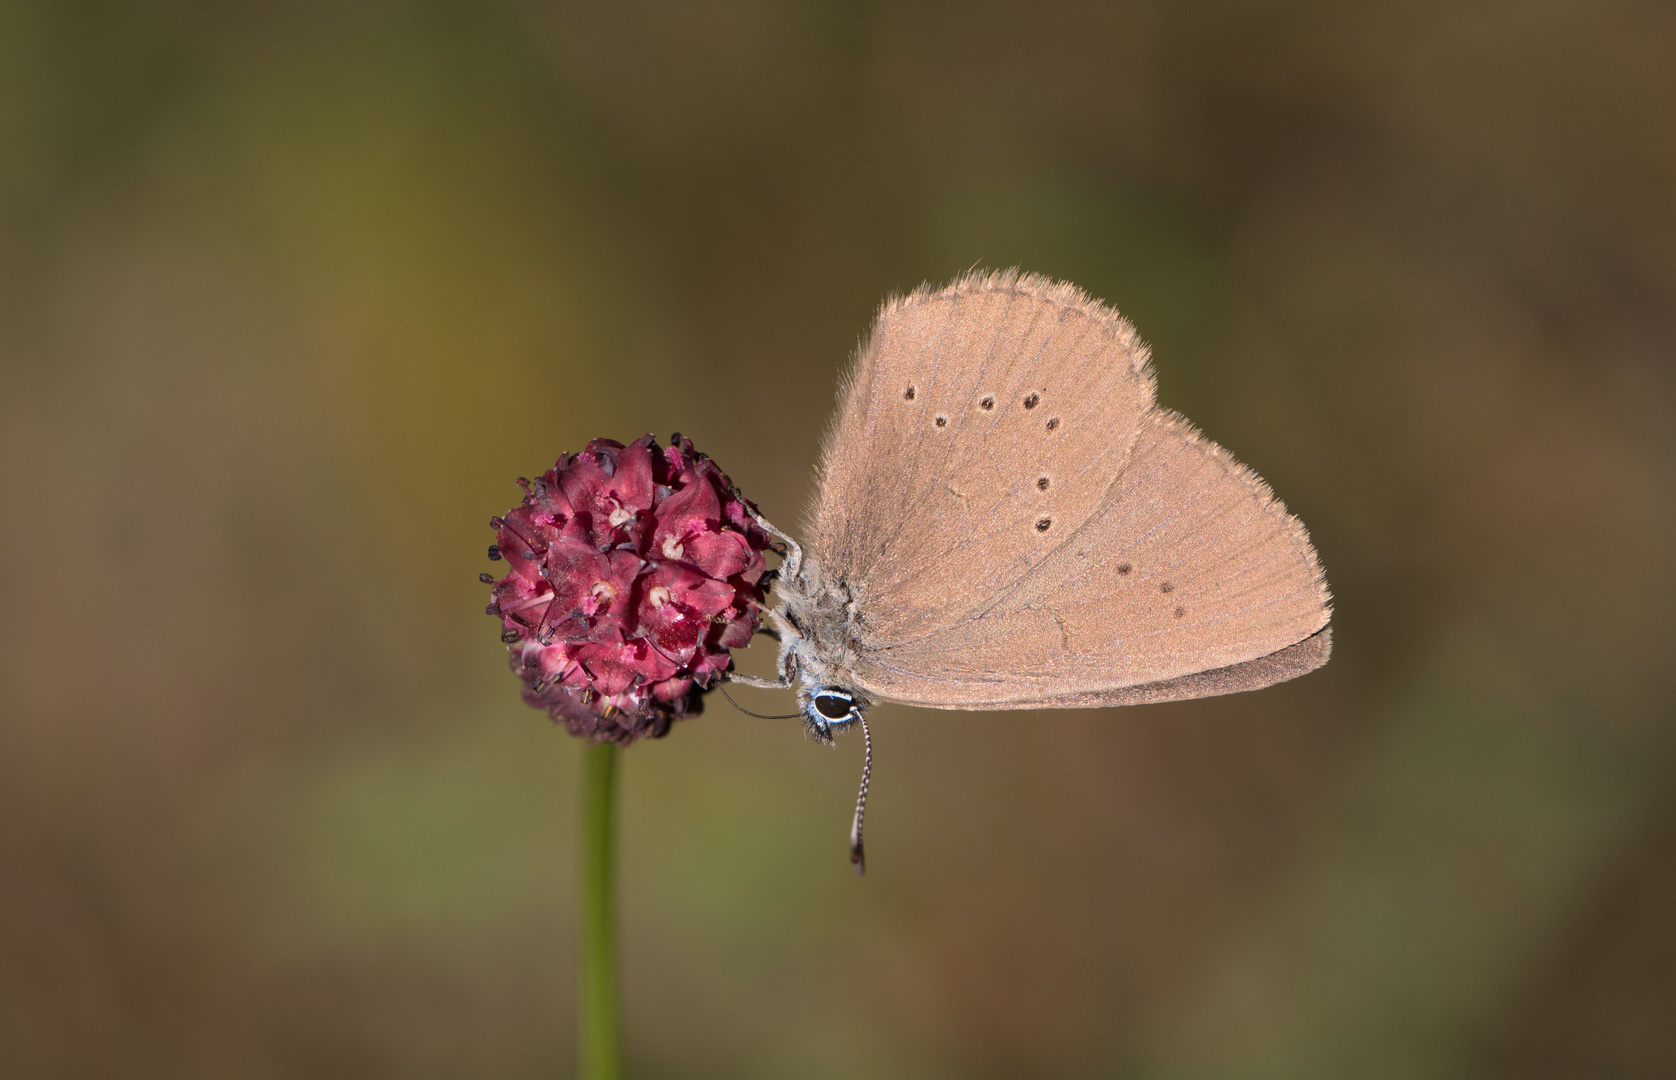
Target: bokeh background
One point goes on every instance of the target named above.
(289, 294)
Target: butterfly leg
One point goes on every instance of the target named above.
(794, 560)
(761, 684)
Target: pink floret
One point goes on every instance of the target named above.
(633, 570)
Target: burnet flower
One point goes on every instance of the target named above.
(633, 570)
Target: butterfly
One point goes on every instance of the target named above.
(1005, 518)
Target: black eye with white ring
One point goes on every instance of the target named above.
(834, 704)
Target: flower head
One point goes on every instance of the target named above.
(634, 569)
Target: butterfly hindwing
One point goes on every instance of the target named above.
(1189, 567)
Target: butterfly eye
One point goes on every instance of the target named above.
(834, 706)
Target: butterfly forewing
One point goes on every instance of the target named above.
(983, 423)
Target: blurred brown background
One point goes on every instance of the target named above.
(288, 298)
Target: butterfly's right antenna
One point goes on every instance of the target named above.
(857, 855)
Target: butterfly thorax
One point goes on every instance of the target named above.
(818, 622)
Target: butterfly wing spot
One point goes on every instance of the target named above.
(1044, 524)
(1042, 484)
(1053, 424)
(1032, 400)
(1124, 568)
(1166, 588)
(1180, 611)
(942, 421)
(908, 394)
(986, 402)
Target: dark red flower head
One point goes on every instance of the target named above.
(634, 570)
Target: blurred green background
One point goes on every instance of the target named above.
(289, 294)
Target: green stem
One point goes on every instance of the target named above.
(596, 985)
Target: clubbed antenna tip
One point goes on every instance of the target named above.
(858, 854)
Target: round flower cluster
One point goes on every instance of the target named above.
(634, 569)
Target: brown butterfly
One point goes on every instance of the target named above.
(1006, 519)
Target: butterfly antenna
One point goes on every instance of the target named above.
(747, 712)
(857, 855)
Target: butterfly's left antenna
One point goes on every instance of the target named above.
(747, 712)
(857, 854)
